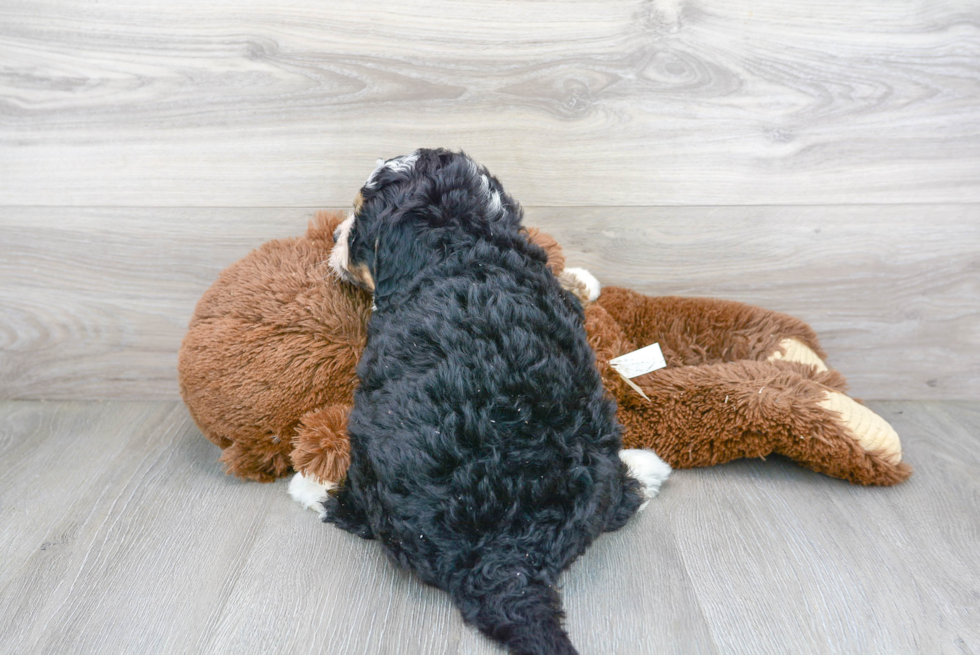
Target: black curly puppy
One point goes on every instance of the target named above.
(484, 450)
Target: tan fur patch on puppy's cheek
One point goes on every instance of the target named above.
(363, 273)
(358, 202)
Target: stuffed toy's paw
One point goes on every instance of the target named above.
(872, 433)
(321, 447)
(794, 350)
(581, 283)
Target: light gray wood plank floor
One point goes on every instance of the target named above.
(119, 533)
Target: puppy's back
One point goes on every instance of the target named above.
(484, 449)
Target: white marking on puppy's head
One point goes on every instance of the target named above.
(491, 196)
(378, 165)
(403, 163)
(396, 164)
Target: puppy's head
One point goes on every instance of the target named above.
(415, 209)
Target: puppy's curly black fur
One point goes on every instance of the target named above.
(484, 450)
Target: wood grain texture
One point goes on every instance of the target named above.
(100, 298)
(119, 533)
(94, 301)
(115, 552)
(773, 550)
(619, 102)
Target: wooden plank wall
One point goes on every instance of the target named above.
(822, 160)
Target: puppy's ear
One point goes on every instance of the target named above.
(394, 250)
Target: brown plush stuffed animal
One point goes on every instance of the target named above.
(267, 372)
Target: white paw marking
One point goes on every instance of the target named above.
(592, 285)
(494, 206)
(309, 492)
(650, 470)
(378, 165)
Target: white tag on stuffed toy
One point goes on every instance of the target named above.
(639, 361)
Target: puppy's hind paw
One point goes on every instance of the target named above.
(648, 469)
(309, 492)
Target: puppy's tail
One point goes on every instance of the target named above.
(513, 605)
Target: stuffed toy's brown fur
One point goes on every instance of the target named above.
(267, 372)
